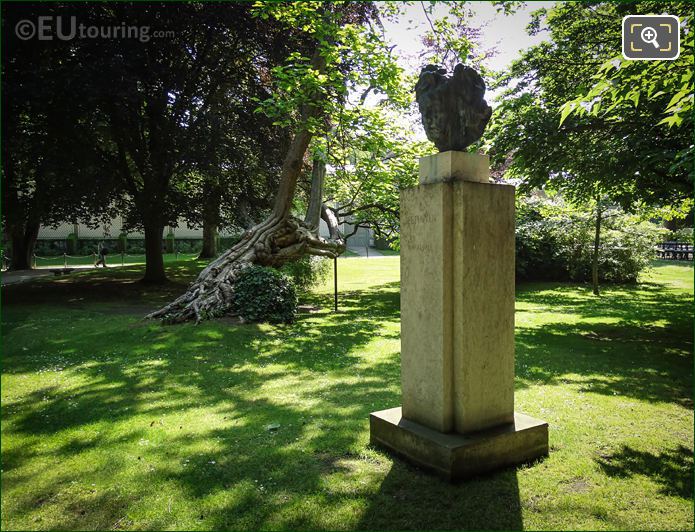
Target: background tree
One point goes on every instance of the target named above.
(370, 163)
(628, 160)
(236, 163)
(156, 95)
(620, 84)
(55, 166)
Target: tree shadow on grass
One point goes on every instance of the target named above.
(631, 304)
(255, 464)
(134, 374)
(672, 469)
(634, 341)
(641, 362)
(113, 286)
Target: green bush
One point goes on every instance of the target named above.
(540, 252)
(555, 242)
(89, 246)
(189, 245)
(307, 272)
(264, 294)
(684, 235)
(135, 246)
(49, 248)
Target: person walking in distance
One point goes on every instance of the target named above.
(102, 255)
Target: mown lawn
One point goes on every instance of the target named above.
(111, 422)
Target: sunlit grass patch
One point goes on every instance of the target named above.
(109, 421)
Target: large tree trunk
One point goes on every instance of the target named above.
(23, 242)
(211, 212)
(154, 259)
(209, 241)
(21, 220)
(597, 246)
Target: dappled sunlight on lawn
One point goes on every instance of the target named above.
(110, 421)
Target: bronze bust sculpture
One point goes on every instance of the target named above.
(454, 112)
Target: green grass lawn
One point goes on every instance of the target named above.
(111, 422)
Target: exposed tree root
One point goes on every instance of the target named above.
(271, 243)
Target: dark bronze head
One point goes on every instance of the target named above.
(453, 109)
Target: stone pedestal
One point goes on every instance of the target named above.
(457, 325)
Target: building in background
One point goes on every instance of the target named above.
(114, 229)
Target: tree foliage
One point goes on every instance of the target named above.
(627, 157)
(620, 84)
(55, 167)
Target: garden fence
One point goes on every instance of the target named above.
(120, 259)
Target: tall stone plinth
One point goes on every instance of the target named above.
(457, 325)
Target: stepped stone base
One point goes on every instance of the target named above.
(456, 456)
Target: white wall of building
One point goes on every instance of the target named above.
(115, 228)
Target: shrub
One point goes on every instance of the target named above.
(135, 246)
(89, 246)
(540, 252)
(555, 242)
(49, 248)
(264, 294)
(189, 245)
(307, 272)
(684, 235)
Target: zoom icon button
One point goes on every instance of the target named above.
(651, 37)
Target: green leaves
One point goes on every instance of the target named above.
(264, 294)
(620, 81)
(355, 57)
(578, 118)
(566, 110)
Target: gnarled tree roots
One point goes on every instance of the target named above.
(270, 243)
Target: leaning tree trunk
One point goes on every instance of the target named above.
(279, 239)
(211, 217)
